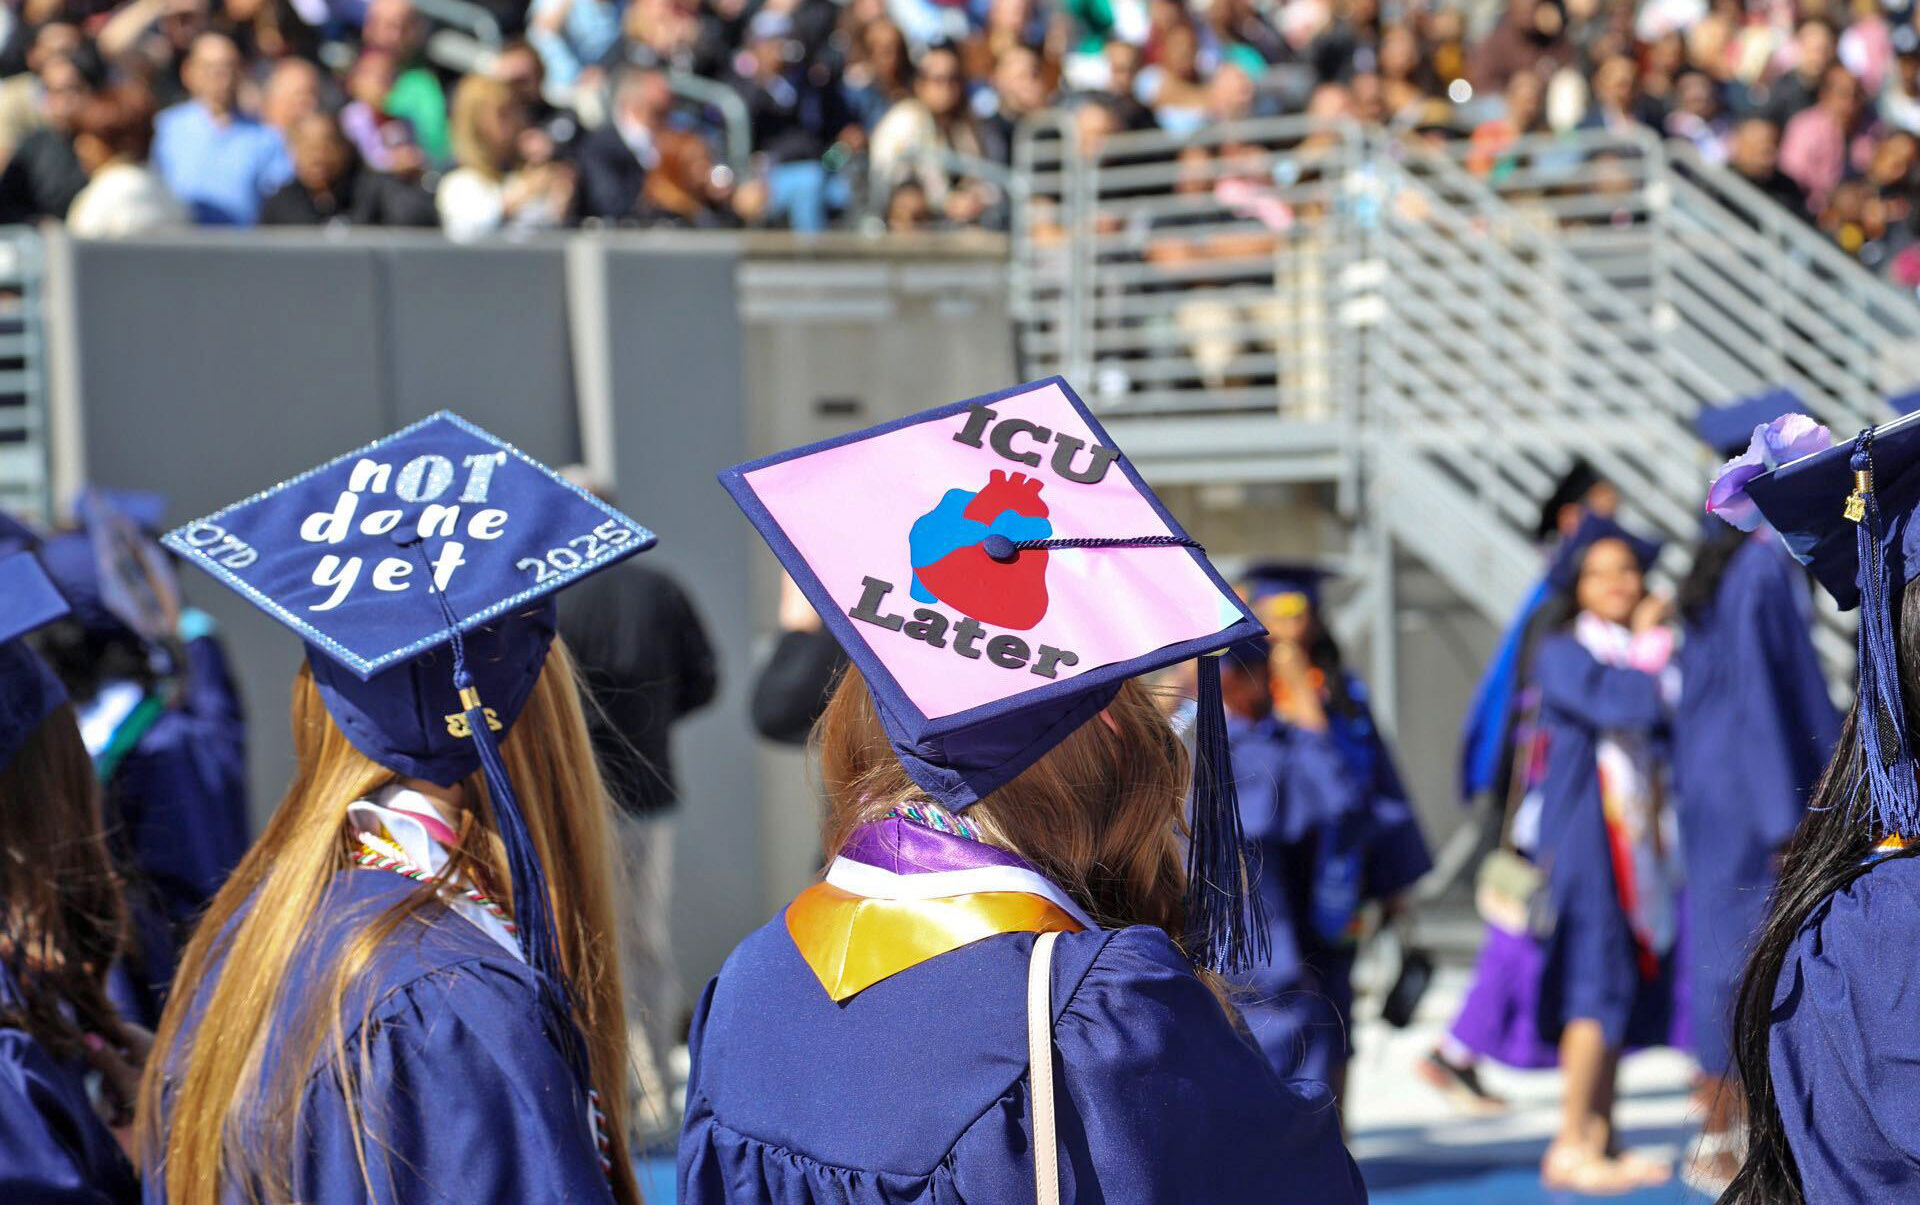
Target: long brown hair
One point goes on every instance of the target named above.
(198, 1096)
(63, 920)
(1102, 814)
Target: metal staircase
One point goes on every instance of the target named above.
(1282, 301)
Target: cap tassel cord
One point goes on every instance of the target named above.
(1226, 921)
(532, 905)
(1892, 791)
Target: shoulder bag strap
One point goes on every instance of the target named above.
(1046, 1148)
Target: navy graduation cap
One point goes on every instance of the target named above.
(29, 692)
(1563, 571)
(1281, 589)
(1728, 428)
(996, 569)
(1847, 513)
(419, 571)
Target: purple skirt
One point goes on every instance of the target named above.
(1500, 1018)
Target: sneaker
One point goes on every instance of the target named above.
(1460, 1085)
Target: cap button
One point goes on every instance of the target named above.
(999, 547)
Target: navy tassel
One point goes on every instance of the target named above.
(532, 904)
(1225, 919)
(1892, 792)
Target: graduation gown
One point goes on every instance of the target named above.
(1594, 967)
(54, 1149)
(1844, 1015)
(1485, 733)
(466, 1096)
(912, 1087)
(1752, 733)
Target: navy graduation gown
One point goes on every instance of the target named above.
(54, 1149)
(1299, 793)
(1489, 720)
(1591, 969)
(1752, 733)
(466, 1096)
(914, 1090)
(1395, 853)
(1844, 1016)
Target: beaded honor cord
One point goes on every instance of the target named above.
(377, 853)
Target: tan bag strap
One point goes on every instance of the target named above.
(1046, 1146)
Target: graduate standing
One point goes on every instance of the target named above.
(408, 990)
(1600, 830)
(1823, 1036)
(1753, 730)
(1006, 983)
(163, 723)
(1366, 846)
(61, 920)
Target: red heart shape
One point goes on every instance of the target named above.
(1007, 594)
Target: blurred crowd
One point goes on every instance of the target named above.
(895, 114)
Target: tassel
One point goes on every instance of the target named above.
(1225, 919)
(1892, 791)
(532, 904)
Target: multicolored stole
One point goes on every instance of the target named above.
(900, 893)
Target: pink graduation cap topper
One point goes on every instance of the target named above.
(996, 569)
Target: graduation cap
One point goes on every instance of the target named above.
(1282, 589)
(996, 569)
(1729, 428)
(1572, 487)
(16, 536)
(1847, 513)
(28, 689)
(1563, 572)
(419, 571)
(146, 509)
(114, 575)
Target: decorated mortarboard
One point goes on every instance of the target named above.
(1846, 511)
(1729, 428)
(419, 571)
(28, 689)
(146, 509)
(996, 569)
(114, 575)
(1282, 589)
(1563, 572)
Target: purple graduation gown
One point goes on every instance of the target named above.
(466, 1096)
(1841, 1052)
(1753, 731)
(54, 1149)
(914, 1089)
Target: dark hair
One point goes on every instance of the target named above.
(121, 117)
(1323, 651)
(1827, 853)
(85, 661)
(61, 916)
(1711, 558)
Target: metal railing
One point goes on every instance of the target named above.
(25, 471)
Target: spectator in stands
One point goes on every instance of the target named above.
(496, 187)
(1174, 87)
(916, 136)
(1699, 118)
(519, 67)
(23, 96)
(1122, 90)
(292, 91)
(687, 192)
(908, 211)
(331, 186)
(614, 160)
(44, 175)
(1614, 104)
(798, 113)
(1754, 153)
(218, 160)
(384, 143)
(1900, 100)
(663, 33)
(1825, 141)
(879, 74)
(1799, 88)
(416, 96)
(150, 40)
(1406, 78)
(113, 133)
(1530, 39)
(1019, 90)
(574, 38)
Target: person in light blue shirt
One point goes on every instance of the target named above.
(573, 36)
(219, 161)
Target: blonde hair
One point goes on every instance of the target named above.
(192, 1124)
(1102, 814)
(472, 97)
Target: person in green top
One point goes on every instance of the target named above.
(395, 27)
